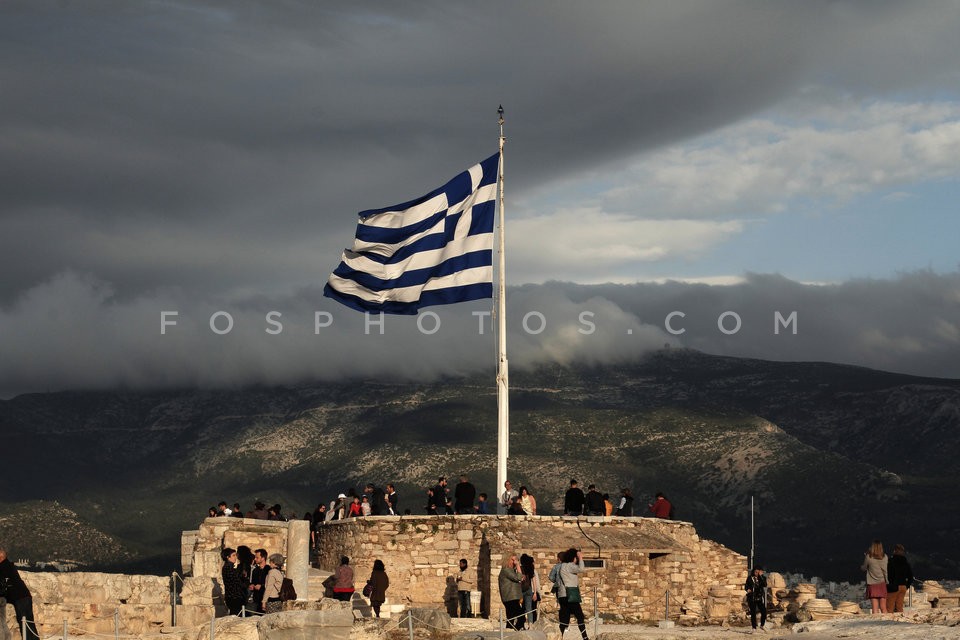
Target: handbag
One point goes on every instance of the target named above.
(573, 595)
(368, 589)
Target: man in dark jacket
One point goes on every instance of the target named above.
(463, 496)
(438, 498)
(756, 588)
(16, 593)
(573, 500)
(258, 577)
(595, 506)
(375, 497)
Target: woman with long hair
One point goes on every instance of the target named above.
(378, 586)
(530, 586)
(234, 588)
(528, 502)
(875, 566)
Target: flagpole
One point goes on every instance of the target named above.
(503, 400)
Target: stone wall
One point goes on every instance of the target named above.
(89, 603)
(644, 558)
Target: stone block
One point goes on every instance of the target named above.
(194, 615)
(199, 590)
(137, 619)
(433, 619)
(44, 587)
(331, 624)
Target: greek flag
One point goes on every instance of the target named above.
(437, 249)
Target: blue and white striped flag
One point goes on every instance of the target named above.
(437, 249)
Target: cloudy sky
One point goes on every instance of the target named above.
(701, 157)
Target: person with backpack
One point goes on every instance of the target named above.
(273, 584)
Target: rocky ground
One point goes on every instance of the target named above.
(929, 625)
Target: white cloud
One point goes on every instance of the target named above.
(762, 166)
(590, 245)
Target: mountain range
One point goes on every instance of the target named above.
(833, 456)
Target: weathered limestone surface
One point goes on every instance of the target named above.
(645, 558)
(94, 603)
(332, 624)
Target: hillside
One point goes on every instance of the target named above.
(49, 532)
(833, 455)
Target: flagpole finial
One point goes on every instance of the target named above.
(500, 114)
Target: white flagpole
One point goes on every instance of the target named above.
(503, 399)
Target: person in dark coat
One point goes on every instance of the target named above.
(379, 581)
(756, 588)
(13, 589)
(625, 508)
(234, 589)
(258, 578)
(573, 500)
(464, 495)
(899, 576)
(594, 502)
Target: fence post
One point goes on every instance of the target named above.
(213, 625)
(173, 599)
(666, 606)
(410, 622)
(116, 624)
(23, 627)
(501, 623)
(596, 614)
(64, 630)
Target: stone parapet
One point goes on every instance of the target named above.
(643, 559)
(95, 603)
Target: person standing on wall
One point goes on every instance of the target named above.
(573, 500)
(464, 495)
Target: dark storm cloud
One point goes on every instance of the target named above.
(196, 156)
(236, 131)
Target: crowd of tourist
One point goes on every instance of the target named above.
(463, 499)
